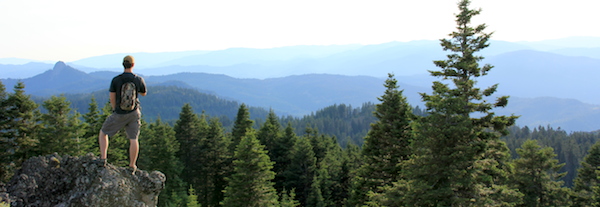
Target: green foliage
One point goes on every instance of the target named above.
(94, 120)
(288, 199)
(449, 142)
(270, 132)
(250, 184)
(158, 148)
(166, 101)
(192, 198)
(300, 173)
(241, 126)
(62, 131)
(386, 144)
(536, 176)
(18, 125)
(215, 164)
(282, 156)
(348, 124)
(571, 148)
(588, 177)
(188, 132)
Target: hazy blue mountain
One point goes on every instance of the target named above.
(143, 60)
(568, 114)
(19, 61)
(569, 42)
(21, 71)
(537, 74)
(593, 52)
(304, 94)
(400, 58)
(60, 79)
(295, 95)
(235, 56)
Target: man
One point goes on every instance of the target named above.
(126, 111)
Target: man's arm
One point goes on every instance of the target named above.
(113, 100)
(143, 87)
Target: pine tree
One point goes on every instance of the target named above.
(386, 144)
(302, 169)
(330, 176)
(241, 126)
(251, 182)
(192, 198)
(62, 130)
(158, 152)
(215, 160)
(288, 199)
(189, 129)
(536, 176)
(588, 176)
(350, 165)
(282, 155)
(269, 133)
(18, 125)
(449, 142)
(93, 120)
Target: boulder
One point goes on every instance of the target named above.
(63, 181)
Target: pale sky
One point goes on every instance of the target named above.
(70, 30)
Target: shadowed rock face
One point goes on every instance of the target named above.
(80, 181)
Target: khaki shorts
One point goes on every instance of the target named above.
(131, 122)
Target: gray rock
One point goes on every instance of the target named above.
(80, 181)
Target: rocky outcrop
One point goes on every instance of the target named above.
(55, 180)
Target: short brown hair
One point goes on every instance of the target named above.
(128, 61)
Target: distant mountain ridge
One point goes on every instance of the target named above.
(299, 80)
(304, 94)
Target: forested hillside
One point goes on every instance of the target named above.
(329, 128)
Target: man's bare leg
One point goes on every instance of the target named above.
(103, 142)
(134, 148)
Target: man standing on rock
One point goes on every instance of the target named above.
(123, 91)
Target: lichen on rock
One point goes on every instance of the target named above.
(55, 180)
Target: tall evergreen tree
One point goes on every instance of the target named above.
(302, 170)
(94, 121)
(449, 141)
(282, 156)
(241, 126)
(269, 133)
(536, 176)
(251, 182)
(214, 160)
(189, 129)
(588, 176)
(62, 131)
(18, 125)
(158, 152)
(330, 176)
(386, 144)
